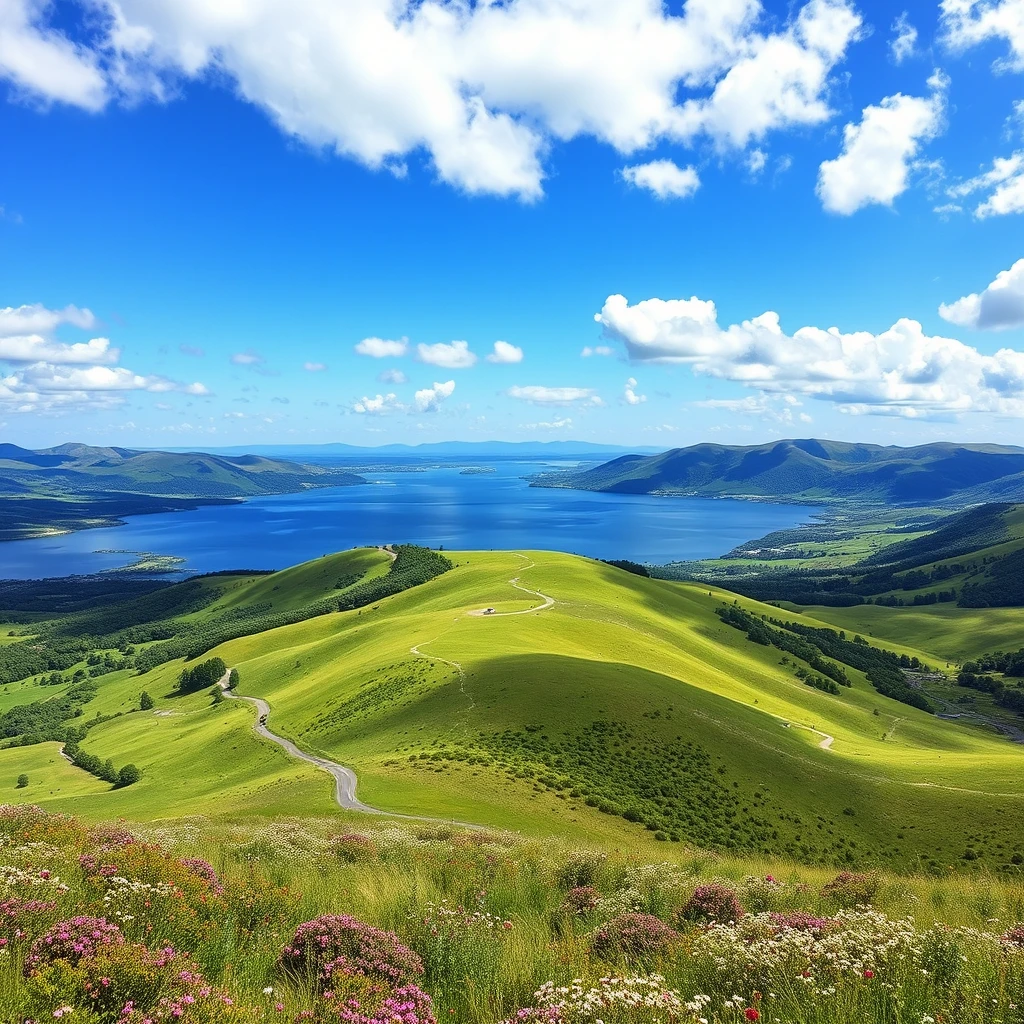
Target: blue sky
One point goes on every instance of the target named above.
(214, 215)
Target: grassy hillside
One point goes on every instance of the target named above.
(626, 708)
(813, 470)
(974, 559)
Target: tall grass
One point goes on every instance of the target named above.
(489, 917)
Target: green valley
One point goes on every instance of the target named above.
(540, 692)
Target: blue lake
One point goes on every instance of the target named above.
(438, 506)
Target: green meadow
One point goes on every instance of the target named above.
(625, 711)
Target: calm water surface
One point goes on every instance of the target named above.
(435, 507)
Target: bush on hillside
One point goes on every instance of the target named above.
(199, 677)
(633, 937)
(338, 943)
(712, 901)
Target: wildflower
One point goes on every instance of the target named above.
(751, 1014)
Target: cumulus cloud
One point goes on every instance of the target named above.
(53, 375)
(378, 405)
(597, 350)
(630, 395)
(314, 367)
(774, 408)
(1002, 187)
(247, 358)
(43, 387)
(666, 179)
(561, 423)
(28, 335)
(904, 39)
(428, 399)
(382, 348)
(483, 89)
(901, 371)
(43, 64)
(966, 23)
(392, 377)
(453, 355)
(878, 153)
(998, 307)
(540, 395)
(505, 352)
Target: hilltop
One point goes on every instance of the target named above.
(591, 703)
(75, 486)
(814, 470)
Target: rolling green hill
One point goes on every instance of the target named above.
(75, 486)
(974, 559)
(813, 470)
(592, 703)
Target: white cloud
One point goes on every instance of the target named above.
(392, 377)
(561, 423)
(44, 387)
(773, 408)
(901, 371)
(382, 348)
(629, 394)
(780, 80)
(1003, 184)
(44, 64)
(378, 405)
(875, 164)
(539, 395)
(28, 335)
(756, 160)
(428, 399)
(247, 358)
(967, 23)
(597, 350)
(314, 367)
(505, 352)
(664, 178)
(904, 40)
(483, 89)
(451, 356)
(999, 306)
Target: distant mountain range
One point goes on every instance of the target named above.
(444, 449)
(77, 487)
(814, 470)
(75, 469)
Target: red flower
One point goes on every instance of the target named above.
(869, 974)
(751, 1014)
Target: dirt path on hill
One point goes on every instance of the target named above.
(344, 778)
(514, 582)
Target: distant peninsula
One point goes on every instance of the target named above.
(76, 486)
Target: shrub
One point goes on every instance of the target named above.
(145, 702)
(801, 921)
(851, 889)
(359, 1001)
(633, 936)
(72, 941)
(201, 676)
(128, 776)
(581, 869)
(338, 943)
(581, 900)
(22, 781)
(1015, 936)
(203, 869)
(712, 901)
(353, 847)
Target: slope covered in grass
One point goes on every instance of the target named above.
(625, 708)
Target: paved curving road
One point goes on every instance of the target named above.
(344, 778)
